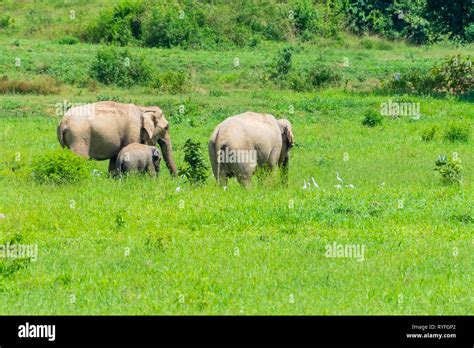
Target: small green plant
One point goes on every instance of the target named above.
(120, 218)
(194, 169)
(366, 43)
(120, 67)
(449, 169)
(372, 118)
(68, 40)
(59, 166)
(428, 134)
(457, 133)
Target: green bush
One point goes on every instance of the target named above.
(194, 169)
(313, 78)
(454, 75)
(428, 134)
(120, 25)
(418, 21)
(6, 21)
(59, 166)
(469, 32)
(281, 65)
(366, 43)
(457, 132)
(68, 40)
(323, 76)
(209, 25)
(372, 119)
(449, 169)
(173, 82)
(166, 27)
(120, 67)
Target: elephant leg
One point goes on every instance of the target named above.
(113, 166)
(244, 180)
(222, 177)
(151, 170)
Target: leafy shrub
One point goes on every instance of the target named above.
(449, 17)
(211, 25)
(172, 81)
(323, 76)
(6, 21)
(372, 119)
(428, 134)
(366, 43)
(457, 132)
(118, 66)
(469, 32)
(42, 85)
(68, 40)
(167, 28)
(59, 166)
(281, 65)
(313, 78)
(120, 25)
(454, 75)
(449, 169)
(304, 18)
(417, 21)
(194, 169)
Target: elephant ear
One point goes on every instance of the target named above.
(285, 127)
(289, 135)
(148, 124)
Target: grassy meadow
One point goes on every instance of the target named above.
(140, 246)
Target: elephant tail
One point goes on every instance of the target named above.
(62, 128)
(213, 158)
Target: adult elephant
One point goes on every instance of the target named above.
(242, 143)
(99, 130)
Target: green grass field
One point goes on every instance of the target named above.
(138, 246)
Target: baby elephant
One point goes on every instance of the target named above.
(139, 158)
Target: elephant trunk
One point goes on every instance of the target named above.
(167, 152)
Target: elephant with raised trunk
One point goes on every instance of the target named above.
(100, 130)
(242, 143)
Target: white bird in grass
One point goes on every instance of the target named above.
(350, 186)
(178, 189)
(338, 178)
(338, 186)
(225, 188)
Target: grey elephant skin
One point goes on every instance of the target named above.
(242, 143)
(100, 130)
(139, 158)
